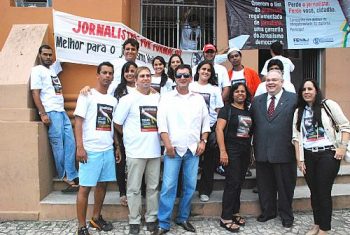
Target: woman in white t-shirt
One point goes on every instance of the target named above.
(204, 84)
(126, 86)
(160, 81)
(127, 81)
(174, 61)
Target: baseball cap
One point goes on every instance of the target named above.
(208, 47)
(233, 49)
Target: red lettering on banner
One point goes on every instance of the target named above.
(271, 23)
(97, 29)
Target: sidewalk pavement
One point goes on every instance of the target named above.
(303, 220)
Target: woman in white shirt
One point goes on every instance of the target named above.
(319, 149)
(204, 84)
(160, 81)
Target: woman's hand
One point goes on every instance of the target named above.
(340, 153)
(223, 158)
(302, 167)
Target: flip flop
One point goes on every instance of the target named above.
(71, 189)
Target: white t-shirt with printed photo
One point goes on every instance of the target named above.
(47, 81)
(221, 74)
(137, 113)
(155, 84)
(97, 110)
(212, 97)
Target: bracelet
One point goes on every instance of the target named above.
(42, 113)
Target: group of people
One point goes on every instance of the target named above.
(133, 118)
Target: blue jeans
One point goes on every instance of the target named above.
(168, 193)
(63, 144)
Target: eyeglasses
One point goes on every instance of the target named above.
(180, 75)
(144, 75)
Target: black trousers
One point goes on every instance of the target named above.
(206, 183)
(120, 168)
(238, 162)
(321, 170)
(273, 178)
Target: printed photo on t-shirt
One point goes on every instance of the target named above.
(312, 133)
(104, 117)
(244, 124)
(206, 97)
(148, 118)
(241, 80)
(56, 85)
(156, 86)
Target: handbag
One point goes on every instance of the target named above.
(336, 128)
(212, 142)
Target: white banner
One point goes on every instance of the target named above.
(89, 41)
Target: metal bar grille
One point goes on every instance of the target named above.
(161, 20)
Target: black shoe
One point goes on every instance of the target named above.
(255, 190)
(263, 218)
(83, 231)
(152, 226)
(187, 226)
(287, 224)
(101, 224)
(248, 173)
(160, 231)
(134, 229)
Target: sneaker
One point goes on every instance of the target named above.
(101, 224)
(220, 170)
(83, 231)
(204, 198)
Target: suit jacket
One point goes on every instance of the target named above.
(273, 136)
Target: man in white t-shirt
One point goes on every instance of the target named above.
(184, 131)
(48, 99)
(94, 135)
(130, 52)
(275, 64)
(209, 52)
(136, 119)
(276, 50)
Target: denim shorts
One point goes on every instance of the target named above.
(100, 167)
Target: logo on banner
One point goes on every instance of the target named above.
(322, 40)
(301, 41)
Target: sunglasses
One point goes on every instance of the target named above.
(180, 75)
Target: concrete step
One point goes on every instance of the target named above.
(58, 206)
(249, 183)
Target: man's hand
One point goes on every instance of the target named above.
(118, 155)
(200, 148)
(170, 151)
(81, 155)
(223, 158)
(45, 119)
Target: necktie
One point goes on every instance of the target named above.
(271, 108)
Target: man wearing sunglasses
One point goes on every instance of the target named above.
(183, 124)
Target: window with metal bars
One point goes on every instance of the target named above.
(164, 21)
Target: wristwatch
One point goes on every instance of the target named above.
(42, 113)
(204, 140)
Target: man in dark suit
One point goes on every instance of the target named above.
(274, 153)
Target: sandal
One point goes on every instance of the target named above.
(230, 226)
(72, 188)
(123, 200)
(239, 220)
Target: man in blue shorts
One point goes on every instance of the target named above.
(94, 140)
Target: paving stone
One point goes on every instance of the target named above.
(302, 223)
